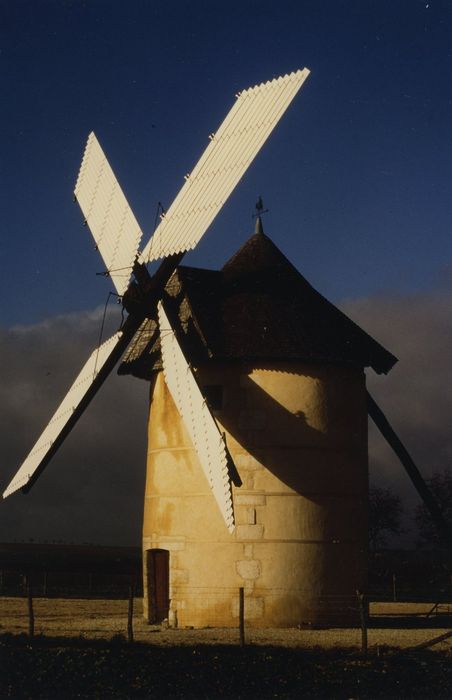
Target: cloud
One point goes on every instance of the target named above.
(416, 395)
(92, 491)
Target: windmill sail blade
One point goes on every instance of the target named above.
(86, 385)
(202, 428)
(231, 150)
(108, 215)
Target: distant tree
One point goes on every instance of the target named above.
(385, 513)
(440, 485)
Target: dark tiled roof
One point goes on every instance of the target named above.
(257, 308)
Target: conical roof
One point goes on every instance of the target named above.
(257, 308)
(256, 256)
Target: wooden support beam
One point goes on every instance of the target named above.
(382, 423)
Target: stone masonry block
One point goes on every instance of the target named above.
(241, 517)
(250, 499)
(248, 482)
(179, 576)
(251, 516)
(248, 569)
(253, 608)
(245, 461)
(156, 542)
(250, 532)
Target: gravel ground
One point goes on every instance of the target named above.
(103, 619)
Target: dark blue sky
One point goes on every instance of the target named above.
(358, 175)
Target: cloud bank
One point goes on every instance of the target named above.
(93, 490)
(416, 395)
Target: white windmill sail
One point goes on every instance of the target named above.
(201, 426)
(231, 150)
(63, 415)
(108, 215)
(117, 236)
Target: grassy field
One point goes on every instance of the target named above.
(80, 651)
(66, 669)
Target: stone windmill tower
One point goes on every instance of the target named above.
(283, 371)
(256, 380)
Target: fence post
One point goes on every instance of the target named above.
(130, 615)
(363, 619)
(31, 617)
(242, 616)
(394, 589)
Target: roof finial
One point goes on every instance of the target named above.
(258, 214)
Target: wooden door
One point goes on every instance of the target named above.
(158, 584)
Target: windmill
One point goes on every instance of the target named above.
(117, 236)
(317, 407)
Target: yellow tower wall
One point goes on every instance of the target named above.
(298, 436)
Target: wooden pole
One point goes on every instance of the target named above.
(31, 617)
(130, 615)
(363, 619)
(242, 616)
(394, 588)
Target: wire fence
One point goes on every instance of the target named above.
(92, 583)
(231, 616)
(63, 584)
(197, 606)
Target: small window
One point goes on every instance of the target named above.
(214, 396)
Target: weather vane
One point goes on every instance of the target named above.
(259, 208)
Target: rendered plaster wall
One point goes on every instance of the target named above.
(298, 436)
